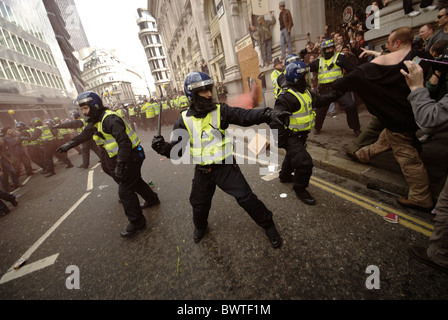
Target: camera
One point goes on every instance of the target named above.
(441, 67)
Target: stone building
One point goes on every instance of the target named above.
(218, 32)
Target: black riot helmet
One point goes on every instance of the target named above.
(91, 99)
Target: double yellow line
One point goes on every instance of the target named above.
(404, 219)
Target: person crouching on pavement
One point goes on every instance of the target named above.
(299, 101)
(204, 123)
(124, 152)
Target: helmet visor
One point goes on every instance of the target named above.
(201, 85)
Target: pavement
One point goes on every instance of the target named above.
(328, 150)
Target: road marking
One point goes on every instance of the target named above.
(90, 181)
(14, 274)
(36, 245)
(405, 220)
(409, 222)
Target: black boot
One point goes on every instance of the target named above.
(132, 229)
(305, 197)
(274, 237)
(198, 234)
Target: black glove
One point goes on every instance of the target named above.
(277, 116)
(336, 94)
(119, 170)
(65, 147)
(158, 144)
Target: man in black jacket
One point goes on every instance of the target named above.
(384, 91)
(204, 125)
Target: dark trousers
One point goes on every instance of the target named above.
(36, 155)
(49, 148)
(7, 197)
(229, 179)
(86, 147)
(8, 170)
(347, 104)
(407, 5)
(20, 158)
(299, 161)
(131, 186)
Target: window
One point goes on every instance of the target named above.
(2, 74)
(24, 48)
(50, 57)
(47, 79)
(39, 53)
(3, 11)
(2, 39)
(9, 40)
(36, 78)
(7, 69)
(16, 43)
(143, 25)
(11, 19)
(33, 48)
(28, 48)
(30, 75)
(42, 78)
(23, 73)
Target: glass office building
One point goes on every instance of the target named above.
(34, 78)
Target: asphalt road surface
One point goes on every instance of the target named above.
(68, 228)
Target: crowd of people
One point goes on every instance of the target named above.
(339, 68)
(343, 64)
(37, 142)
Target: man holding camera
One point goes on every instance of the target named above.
(430, 114)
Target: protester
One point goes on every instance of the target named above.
(430, 114)
(286, 24)
(442, 24)
(373, 82)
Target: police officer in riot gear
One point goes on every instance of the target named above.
(204, 125)
(49, 145)
(122, 160)
(79, 124)
(330, 67)
(299, 101)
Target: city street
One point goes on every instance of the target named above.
(342, 248)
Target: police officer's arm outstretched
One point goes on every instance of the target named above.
(204, 123)
(124, 153)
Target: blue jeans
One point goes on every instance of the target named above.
(284, 35)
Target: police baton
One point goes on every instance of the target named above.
(159, 125)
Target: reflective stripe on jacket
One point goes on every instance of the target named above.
(208, 143)
(303, 119)
(329, 71)
(46, 133)
(109, 143)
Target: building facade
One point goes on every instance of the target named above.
(155, 52)
(218, 32)
(34, 78)
(109, 77)
(63, 38)
(78, 38)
